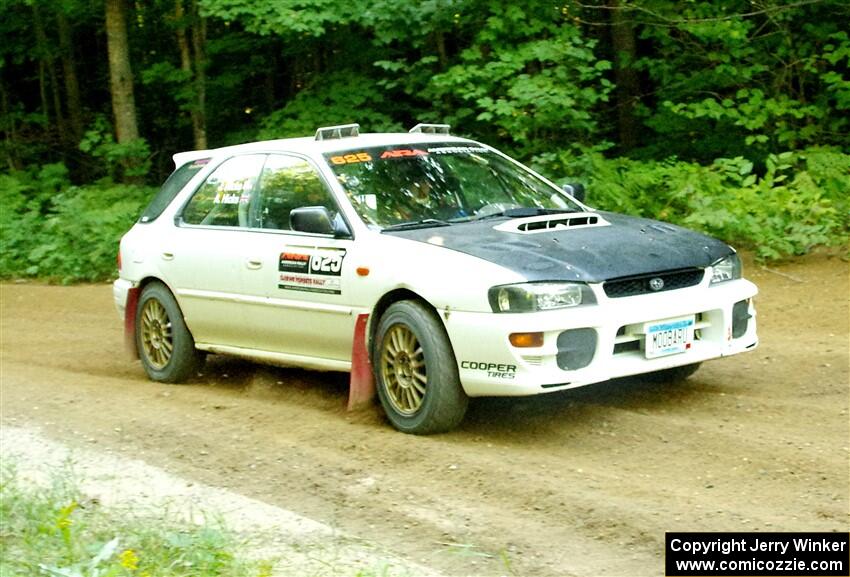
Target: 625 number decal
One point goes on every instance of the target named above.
(351, 158)
(326, 264)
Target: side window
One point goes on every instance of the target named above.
(175, 183)
(288, 182)
(224, 198)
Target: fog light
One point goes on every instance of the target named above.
(740, 318)
(526, 340)
(576, 348)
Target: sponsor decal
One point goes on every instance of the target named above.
(493, 370)
(312, 270)
(228, 198)
(457, 150)
(402, 153)
(351, 158)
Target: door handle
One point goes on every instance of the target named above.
(168, 256)
(254, 264)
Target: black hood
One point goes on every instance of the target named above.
(630, 246)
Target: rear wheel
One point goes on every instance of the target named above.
(416, 371)
(673, 375)
(166, 347)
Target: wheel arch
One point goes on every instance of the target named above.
(394, 296)
(130, 312)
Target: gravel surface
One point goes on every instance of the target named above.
(298, 545)
(584, 482)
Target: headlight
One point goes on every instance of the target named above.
(539, 296)
(727, 268)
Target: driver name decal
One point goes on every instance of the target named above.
(315, 270)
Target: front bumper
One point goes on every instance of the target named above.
(490, 366)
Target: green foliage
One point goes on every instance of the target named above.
(57, 532)
(797, 202)
(729, 79)
(130, 160)
(524, 75)
(336, 99)
(728, 83)
(50, 229)
(530, 78)
(283, 17)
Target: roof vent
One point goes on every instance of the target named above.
(430, 128)
(341, 131)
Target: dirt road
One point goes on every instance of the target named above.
(583, 482)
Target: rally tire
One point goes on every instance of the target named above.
(416, 372)
(672, 375)
(166, 347)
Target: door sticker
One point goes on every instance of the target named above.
(317, 270)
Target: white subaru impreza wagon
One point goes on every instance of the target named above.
(434, 264)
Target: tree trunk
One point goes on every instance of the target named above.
(9, 134)
(47, 64)
(440, 39)
(120, 73)
(69, 70)
(195, 70)
(199, 41)
(182, 40)
(268, 84)
(625, 75)
(42, 91)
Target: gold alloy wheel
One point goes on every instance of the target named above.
(157, 340)
(403, 370)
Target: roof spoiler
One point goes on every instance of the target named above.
(423, 128)
(340, 131)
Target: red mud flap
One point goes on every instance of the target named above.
(130, 322)
(362, 387)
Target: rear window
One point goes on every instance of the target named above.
(174, 184)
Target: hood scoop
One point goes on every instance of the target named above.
(552, 222)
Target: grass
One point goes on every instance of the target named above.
(55, 531)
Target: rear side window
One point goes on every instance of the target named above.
(225, 197)
(174, 184)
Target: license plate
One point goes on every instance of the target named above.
(668, 337)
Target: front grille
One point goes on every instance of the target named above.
(638, 285)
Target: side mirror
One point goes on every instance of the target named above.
(576, 190)
(316, 219)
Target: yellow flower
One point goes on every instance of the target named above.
(64, 520)
(129, 559)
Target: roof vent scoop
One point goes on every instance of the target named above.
(340, 131)
(430, 128)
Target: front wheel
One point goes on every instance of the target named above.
(166, 347)
(416, 371)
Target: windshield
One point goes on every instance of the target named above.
(451, 182)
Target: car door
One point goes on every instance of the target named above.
(204, 256)
(302, 286)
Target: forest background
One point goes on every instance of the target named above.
(732, 116)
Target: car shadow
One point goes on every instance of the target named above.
(496, 417)
(257, 380)
(572, 409)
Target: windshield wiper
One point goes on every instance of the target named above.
(412, 224)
